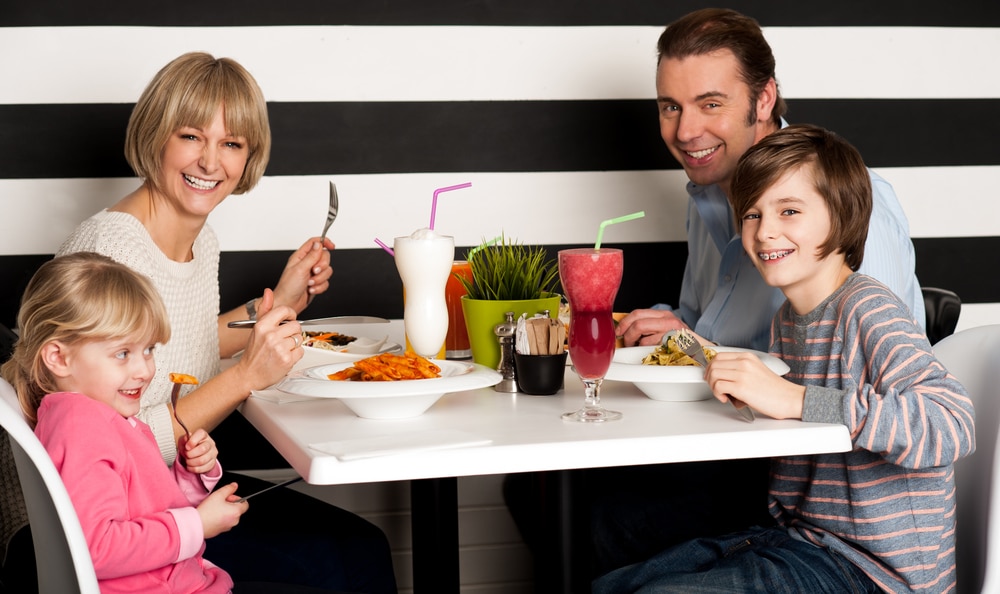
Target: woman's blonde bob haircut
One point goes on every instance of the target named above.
(79, 298)
(187, 92)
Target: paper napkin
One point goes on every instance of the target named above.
(274, 395)
(400, 443)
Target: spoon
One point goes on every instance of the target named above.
(331, 214)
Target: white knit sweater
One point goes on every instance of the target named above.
(190, 291)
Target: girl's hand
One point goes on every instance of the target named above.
(199, 452)
(219, 511)
(306, 275)
(273, 348)
(747, 378)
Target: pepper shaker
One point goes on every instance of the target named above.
(505, 334)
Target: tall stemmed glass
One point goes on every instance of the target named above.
(590, 278)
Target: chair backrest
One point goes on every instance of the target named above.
(942, 308)
(973, 356)
(63, 559)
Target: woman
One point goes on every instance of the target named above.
(199, 133)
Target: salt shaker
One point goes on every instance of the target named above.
(505, 334)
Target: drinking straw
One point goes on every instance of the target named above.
(473, 251)
(385, 247)
(628, 217)
(434, 201)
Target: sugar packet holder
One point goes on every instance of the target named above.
(539, 335)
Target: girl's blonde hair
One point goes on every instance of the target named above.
(78, 298)
(187, 92)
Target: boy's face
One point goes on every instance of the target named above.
(782, 234)
(115, 372)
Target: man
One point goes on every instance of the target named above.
(717, 95)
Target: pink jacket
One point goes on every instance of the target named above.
(143, 532)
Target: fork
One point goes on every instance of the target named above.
(174, 395)
(692, 348)
(331, 214)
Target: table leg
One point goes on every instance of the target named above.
(567, 529)
(434, 520)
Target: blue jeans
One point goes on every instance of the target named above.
(764, 560)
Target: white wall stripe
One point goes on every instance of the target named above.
(551, 208)
(316, 63)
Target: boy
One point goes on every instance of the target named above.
(878, 518)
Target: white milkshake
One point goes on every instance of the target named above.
(424, 262)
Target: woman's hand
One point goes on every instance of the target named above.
(745, 377)
(273, 348)
(199, 452)
(220, 512)
(306, 275)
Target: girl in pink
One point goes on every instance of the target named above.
(84, 357)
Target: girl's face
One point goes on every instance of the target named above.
(782, 234)
(115, 372)
(201, 167)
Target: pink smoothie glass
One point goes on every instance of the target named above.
(590, 279)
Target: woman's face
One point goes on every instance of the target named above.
(201, 167)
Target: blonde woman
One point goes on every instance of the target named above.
(199, 133)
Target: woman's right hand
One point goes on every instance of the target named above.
(273, 348)
(218, 513)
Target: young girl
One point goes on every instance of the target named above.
(85, 355)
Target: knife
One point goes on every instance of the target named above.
(319, 321)
(692, 348)
(288, 482)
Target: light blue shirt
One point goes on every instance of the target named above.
(724, 298)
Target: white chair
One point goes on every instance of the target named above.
(63, 560)
(973, 356)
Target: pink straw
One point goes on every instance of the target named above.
(385, 247)
(434, 202)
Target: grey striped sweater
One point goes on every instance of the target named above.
(888, 505)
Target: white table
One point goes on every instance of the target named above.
(526, 434)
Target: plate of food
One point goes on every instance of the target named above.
(421, 383)
(322, 344)
(667, 374)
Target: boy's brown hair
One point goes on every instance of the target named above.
(838, 172)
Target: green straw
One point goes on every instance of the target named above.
(629, 217)
(473, 251)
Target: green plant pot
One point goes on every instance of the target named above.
(482, 316)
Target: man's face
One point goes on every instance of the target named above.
(705, 111)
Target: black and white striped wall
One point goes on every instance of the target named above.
(546, 107)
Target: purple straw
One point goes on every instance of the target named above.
(385, 247)
(434, 202)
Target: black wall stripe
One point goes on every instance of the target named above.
(235, 13)
(366, 281)
(310, 138)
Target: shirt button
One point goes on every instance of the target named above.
(729, 278)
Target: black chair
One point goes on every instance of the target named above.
(943, 308)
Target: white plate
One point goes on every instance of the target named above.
(673, 383)
(361, 347)
(389, 400)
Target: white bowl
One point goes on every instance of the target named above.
(673, 383)
(389, 400)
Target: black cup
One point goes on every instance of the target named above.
(540, 375)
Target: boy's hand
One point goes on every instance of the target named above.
(199, 452)
(747, 378)
(219, 511)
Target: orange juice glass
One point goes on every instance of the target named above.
(457, 341)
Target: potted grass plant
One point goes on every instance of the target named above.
(506, 276)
